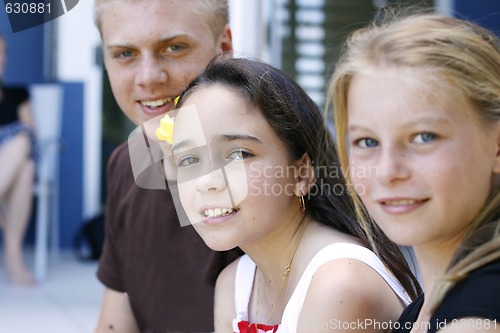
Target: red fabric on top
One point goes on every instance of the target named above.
(245, 327)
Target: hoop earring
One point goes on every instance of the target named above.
(302, 203)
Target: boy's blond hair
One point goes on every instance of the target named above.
(215, 11)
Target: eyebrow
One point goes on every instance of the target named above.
(165, 40)
(415, 122)
(223, 137)
(429, 120)
(183, 143)
(240, 137)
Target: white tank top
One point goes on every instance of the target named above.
(245, 274)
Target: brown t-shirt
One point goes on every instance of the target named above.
(167, 270)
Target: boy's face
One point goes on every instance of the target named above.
(152, 49)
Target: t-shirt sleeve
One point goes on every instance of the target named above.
(109, 271)
(477, 296)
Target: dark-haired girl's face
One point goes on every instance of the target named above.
(236, 179)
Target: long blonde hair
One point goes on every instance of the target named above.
(465, 58)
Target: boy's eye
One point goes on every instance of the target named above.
(187, 161)
(239, 155)
(174, 48)
(366, 143)
(425, 137)
(125, 54)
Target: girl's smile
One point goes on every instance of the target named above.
(401, 205)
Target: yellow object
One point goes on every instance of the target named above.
(166, 130)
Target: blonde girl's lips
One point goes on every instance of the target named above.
(401, 206)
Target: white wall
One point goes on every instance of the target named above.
(247, 24)
(444, 7)
(76, 51)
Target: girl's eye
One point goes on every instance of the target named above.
(239, 155)
(366, 143)
(425, 137)
(187, 161)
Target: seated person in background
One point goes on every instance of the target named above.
(17, 173)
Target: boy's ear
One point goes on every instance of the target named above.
(225, 42)
(305, 177)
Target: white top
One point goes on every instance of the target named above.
(245, 274)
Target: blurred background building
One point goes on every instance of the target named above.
(300, 36)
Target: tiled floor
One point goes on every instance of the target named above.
(67, 302)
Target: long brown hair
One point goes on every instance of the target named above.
(298, 121)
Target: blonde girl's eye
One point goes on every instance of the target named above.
(425, 137)
(366, 143)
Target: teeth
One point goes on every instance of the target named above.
(400, 202)
(217, 212)
(155, 104)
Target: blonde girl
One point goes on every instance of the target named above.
(417, 99)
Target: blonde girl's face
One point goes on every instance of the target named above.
(422, 165)
(235, 179)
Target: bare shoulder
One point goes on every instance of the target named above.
(224, 306)
(346, 278)
(349, 291)
(226, 278)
